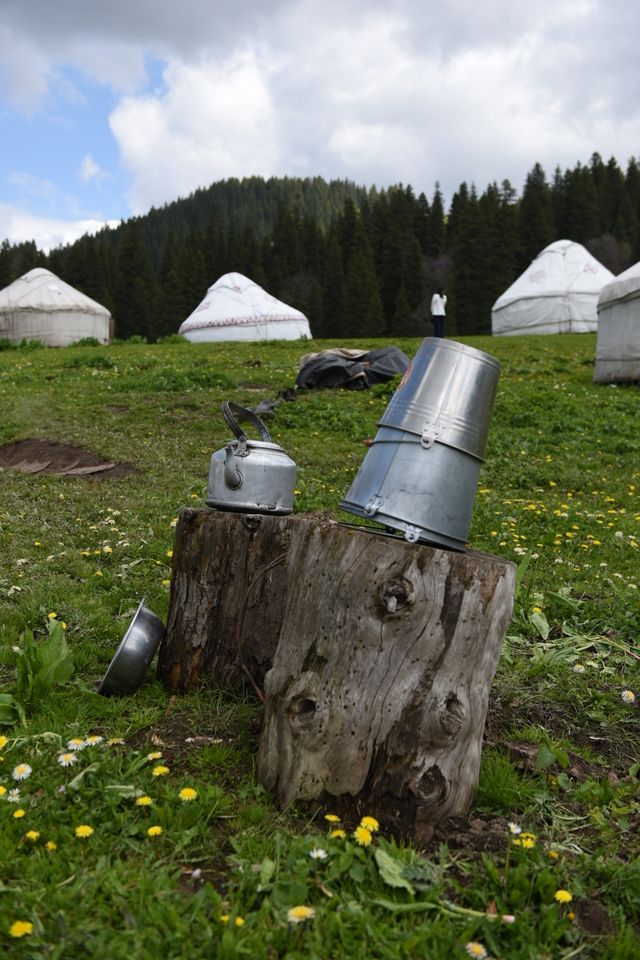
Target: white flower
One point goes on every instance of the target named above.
(318, 854)
(475, 949)
(628, 696)
(515, 829)
(67, 759)
(93, 740)
(14, 795)
(21, 772)
(578, 668)
(76, 743)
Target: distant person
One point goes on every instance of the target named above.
(438, 312)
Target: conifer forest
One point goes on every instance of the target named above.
(359, 262)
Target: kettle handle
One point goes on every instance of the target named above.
(232, 412)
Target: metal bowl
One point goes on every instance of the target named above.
(135, 652)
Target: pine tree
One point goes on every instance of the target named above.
(363, 314)
(135, 290)
(536, 216)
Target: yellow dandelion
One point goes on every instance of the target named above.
(362, 836)
(3, 790)
(224, 918)
(83, 831)
(338, 833)
(370, 823)
(52, 615)
(3, 742)
(19, 813)
(154, 831)
(331, 818)
(20, 928)
(169, 553)
(239, 921)
(160, 771)
(32, 835)
(51, 845)
(187, 794)
(563, 896)
(144, 801)
(300, 914)
(553, 854)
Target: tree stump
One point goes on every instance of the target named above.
(376, 656)
(228, 594)
(378, 694)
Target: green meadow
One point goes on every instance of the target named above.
(134, 827)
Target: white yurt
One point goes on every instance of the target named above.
(236, 308)
(618, 344)
(557, 293)
(40, 306)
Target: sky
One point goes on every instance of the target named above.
(110, 108)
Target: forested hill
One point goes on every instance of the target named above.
(359, 262)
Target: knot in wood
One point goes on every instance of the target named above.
(396, 594)
(252, 522)
(431, 789)
(304, 716)
(452, 717)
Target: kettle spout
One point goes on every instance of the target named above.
(232, 476)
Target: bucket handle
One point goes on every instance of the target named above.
(232, 412)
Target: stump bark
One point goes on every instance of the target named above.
(380, 682)
(228, 594)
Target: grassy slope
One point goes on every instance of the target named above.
(559, 491)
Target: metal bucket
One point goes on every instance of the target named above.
(421, 471)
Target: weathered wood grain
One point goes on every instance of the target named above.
(379, 688)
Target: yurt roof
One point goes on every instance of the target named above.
(626, 286)
(562, 268)
(235, 300)
(39, 289)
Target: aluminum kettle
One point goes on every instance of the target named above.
(250, 476)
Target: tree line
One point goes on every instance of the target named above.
(358, 262)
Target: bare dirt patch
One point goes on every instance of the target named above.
(60, 460)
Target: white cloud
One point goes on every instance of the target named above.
(90, 170)
(25, 71)
(214, 120)
(47, 232)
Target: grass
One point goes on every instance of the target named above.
(558, 494)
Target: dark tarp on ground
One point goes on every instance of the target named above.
(352, 369)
